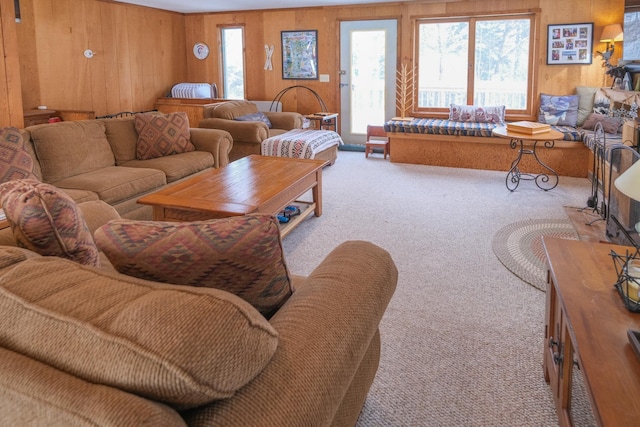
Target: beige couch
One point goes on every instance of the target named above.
(96, 160)
(247, 135)
(110, 335)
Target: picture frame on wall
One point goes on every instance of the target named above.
(300, 55)
(570, 44)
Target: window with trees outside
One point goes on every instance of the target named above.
(475, 61)
(232, 62)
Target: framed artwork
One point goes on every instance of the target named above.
(300, 55)
(570, 44)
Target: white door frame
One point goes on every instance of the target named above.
(346, 28)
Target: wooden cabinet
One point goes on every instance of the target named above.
(586, 329)
(193, 107)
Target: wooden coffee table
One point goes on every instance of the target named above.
(252, 184)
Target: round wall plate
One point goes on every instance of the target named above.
(200, 50)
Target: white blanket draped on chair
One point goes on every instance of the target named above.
(300, 143)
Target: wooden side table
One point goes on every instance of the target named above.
(586, 326)
(544, 181)
(325, 121)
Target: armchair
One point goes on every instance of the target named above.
(248, 134)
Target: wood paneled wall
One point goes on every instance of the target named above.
(11, 104)
(263, 27)
(141, 52)
(139, 55)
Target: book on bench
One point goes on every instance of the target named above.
(530, 128)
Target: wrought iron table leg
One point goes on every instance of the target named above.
(542, 179)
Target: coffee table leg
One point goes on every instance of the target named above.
(317, 193)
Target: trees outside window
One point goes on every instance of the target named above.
(232, 62)
(475, 61)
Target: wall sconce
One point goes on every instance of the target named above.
(611, 34)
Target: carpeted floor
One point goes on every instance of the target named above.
(519, 247)
(462, 337)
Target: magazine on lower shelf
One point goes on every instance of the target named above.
(529, 128)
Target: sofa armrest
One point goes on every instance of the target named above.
(325, 330)
(285, 120)
(239, 130)
(217, 142)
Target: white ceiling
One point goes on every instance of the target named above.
(199, 6)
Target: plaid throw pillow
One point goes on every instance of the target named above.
(242, 255)
(162, 135)
(47, 221)
(15, 162)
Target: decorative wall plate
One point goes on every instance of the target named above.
(200, 50)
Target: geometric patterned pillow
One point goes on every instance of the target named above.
(47, 221)
(15, 162)
(162, 135)
(242, 255)
(475, 114)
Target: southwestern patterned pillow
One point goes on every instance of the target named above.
(47, 221)
(242, 255)
(475, 114)
(162, 135)
(15, 162)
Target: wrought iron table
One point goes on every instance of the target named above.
(545, 180)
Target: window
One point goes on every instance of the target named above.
(232, 62)
(475, 61)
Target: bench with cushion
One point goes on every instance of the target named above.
(466, 141)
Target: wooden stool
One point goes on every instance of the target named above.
(376, 138)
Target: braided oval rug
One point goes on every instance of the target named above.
(518, 246)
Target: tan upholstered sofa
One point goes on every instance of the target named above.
(85, 345)
(96, 160)
(247, 135)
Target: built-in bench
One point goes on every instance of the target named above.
(441, 142)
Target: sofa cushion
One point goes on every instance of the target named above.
(35, 394)
(116, 183)
(255, 117)
(475, 114)
(176, 344)
(231, 109)
(242, 255)
(15, 161)
(176, 166)
(71, 148)
(123, 137)
(47, 221)
(559, 110)
(162, 135)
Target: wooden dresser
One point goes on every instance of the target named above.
(586, 327)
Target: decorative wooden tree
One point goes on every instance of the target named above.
(404, 91)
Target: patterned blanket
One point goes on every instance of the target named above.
(300, 143)
(452, 127)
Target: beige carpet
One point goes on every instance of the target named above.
(462, 338)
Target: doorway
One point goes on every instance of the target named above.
(368, 52)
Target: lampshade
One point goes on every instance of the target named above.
(629, 182)
(612, 33)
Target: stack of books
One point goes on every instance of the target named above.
(529, 128)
